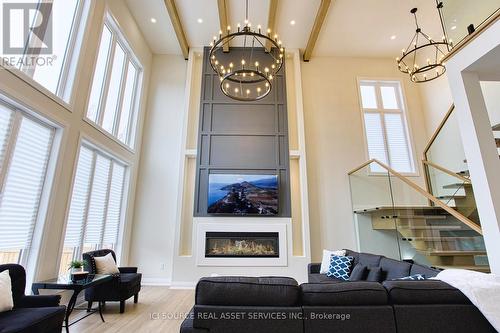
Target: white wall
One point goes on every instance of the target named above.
(335, 144)
(156, 206)
(73, 127)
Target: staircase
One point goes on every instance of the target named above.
(438, 238)
(437, 226)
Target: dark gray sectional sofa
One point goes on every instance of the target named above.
(280, 305)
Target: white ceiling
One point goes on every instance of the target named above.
(357, 28)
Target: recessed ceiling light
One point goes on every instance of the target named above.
(292, 22)
(393, 37)
(453, 27)
(200, 20)
(153, 20)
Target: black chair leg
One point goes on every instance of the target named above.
(136, 298)
(89, 306)
(122, 306)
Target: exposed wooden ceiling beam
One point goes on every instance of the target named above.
(316, 29)
(179, 31)
(271, 21)
(223, 20)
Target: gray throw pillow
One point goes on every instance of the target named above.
(359, 273)
(374, 274)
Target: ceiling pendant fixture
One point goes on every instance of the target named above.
(423, 58)
(247, 70)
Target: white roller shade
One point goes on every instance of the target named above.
(79, 198)
(98, 201)
(114, 206)
(23, 184)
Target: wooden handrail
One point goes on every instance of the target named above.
(438, 130)
(426, 194)
(448, 172)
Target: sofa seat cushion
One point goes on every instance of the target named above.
(346, 293)
(394, 269)
(424, 270)
(32, 320)
(247, 291)
(423, 292)
(322, 278)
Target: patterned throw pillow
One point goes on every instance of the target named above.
(340, 267)
(415, 277)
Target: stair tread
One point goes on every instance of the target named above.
(382, 208)
(451, 197)
(427, 217)
(432, 227)
(446, 238)
(456, 185)
(452, 253)
(477, 268)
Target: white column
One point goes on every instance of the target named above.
(482, 156)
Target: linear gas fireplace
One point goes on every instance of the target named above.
(242, 244)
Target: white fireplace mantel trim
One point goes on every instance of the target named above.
(203, 228)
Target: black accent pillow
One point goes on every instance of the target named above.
(374, 274)
(359, 273)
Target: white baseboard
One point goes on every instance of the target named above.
(156, 282)
(182, 285)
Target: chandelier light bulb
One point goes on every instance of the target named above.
(242, 61)
(248, 91)
(231, 65)
(236, 90)
(228, 28)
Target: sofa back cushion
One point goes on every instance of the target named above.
(247, 291)
(394, 269)
(424, 270)
(343, 294)
(423, 292)
(367, 259)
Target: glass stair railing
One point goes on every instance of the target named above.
(463, 18)
(399, 219)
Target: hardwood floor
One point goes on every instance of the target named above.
(160, 309)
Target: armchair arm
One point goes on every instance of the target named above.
(313, 268)
(38, 301)
(127, 269)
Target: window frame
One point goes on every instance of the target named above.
(71, 68)
(118, 38)
(89, 143)
(402, 110)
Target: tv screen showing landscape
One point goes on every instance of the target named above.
(243, 194)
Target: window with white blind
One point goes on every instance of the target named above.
(54, 71)
(25, 149)
(385, 124)
(115, 86)
(96, 206)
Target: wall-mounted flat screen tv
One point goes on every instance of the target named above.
(245, 194)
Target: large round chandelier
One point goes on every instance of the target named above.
(423, 58)
(248, 69)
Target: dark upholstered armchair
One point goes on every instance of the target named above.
(31, 314)
(123, 285)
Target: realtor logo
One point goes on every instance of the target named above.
(27, 28)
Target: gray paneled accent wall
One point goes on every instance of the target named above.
(241, 137)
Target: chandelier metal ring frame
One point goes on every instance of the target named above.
(248, 73)
(418, 73)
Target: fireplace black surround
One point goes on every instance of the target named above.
(242, 245)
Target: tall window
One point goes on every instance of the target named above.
(25, 148)
(96, 207)
(54, 71)
(386, 128)
(115, 86)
